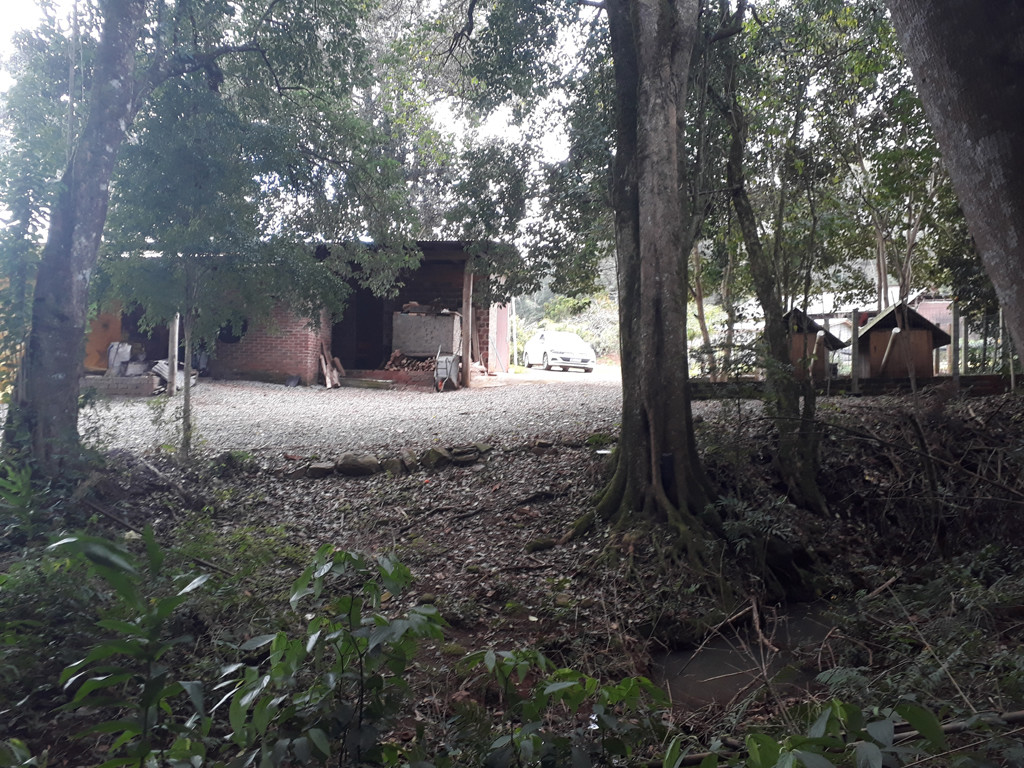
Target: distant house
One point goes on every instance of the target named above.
(427, 313)
(809, 346)
(899, 342)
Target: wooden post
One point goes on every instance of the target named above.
(1007, 349)
(855, 353)
(954, 345)
(515, 338)
(467, 323)
(172, 355)
(966, 337)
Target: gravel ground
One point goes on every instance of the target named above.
(268, 419)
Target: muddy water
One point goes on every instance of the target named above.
(734, 663)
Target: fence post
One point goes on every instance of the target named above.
(855, 353)
(172, 355)
(954, 346)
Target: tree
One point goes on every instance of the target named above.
(969, 69)
(185, 234)
(658, 473)
(35, 117)
(516, 57)
(140, 47)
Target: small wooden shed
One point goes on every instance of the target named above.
(809, 345)
(899, 342)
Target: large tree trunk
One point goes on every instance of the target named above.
(968, 62)
(43, 419)
(658, 472)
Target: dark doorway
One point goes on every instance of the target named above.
(359, 340)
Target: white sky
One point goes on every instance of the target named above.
(17, 15)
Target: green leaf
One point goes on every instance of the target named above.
(882, 731)
(868, 755)
(924, 722)
(764, 750)
(256, 642)
(674, 753)
(194, 689)
(100, 683)
(124, 627)
(236, 716)
(154, 554)
(812, 759)
(319, 739)
(820, 726)
(106, 555)
(556, 687)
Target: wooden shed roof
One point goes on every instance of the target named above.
(902, 316)
(798, 322)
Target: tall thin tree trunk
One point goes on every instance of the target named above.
(43, 418)
(697, 292)
(796, 459)
(185, 449)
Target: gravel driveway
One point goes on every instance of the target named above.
(268, 419)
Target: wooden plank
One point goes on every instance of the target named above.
(467, 323)
(326, 372)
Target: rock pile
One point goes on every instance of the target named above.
(364, 464)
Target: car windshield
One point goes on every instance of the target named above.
(565, 339)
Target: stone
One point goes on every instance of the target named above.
(357, 464)
(435, 458)
(320, 469)
(465, 459)
(394, 466)
(410, 460)
(296, 472)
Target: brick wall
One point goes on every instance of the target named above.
(273, 350)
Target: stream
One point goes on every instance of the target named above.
(734, 662)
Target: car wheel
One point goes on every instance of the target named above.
(526, 360)
(547, 365)
(588, 370)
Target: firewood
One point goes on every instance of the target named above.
(326, 372)
(338, 367)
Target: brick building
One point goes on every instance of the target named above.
(286, 344)
(282, 346)
(363, 339)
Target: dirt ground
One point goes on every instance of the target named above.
(916, 486)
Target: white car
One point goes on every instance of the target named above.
(559, 349)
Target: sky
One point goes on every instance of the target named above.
(17, 15)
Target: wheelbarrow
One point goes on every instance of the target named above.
(446, 368)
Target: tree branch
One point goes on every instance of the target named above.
(734, 25)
